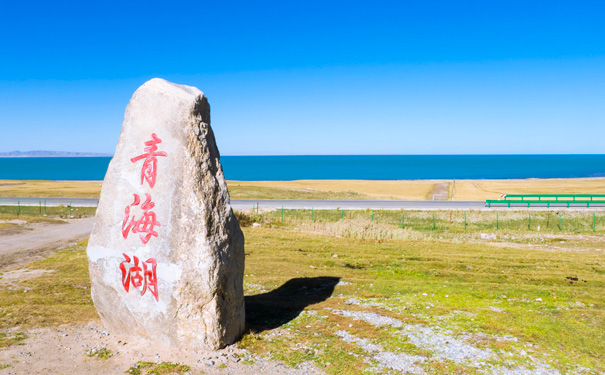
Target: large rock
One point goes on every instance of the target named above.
(166, 255)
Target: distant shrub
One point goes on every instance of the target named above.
(245, 220)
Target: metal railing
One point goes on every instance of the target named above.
(548, 200)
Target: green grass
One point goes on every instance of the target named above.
(550, 298)
(59, 297)
(17, 212)
(101, 353)
(454, 286)
(151, 368)
(8, 338)
(138, 367)
(29, 218)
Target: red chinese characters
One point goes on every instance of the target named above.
(145, 224)
(150, 170)
(136, 276)
(143, 275)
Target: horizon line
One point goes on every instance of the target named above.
(104, 155)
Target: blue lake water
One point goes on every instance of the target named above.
(363, 167)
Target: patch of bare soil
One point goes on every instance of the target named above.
(8, 279)
(544, 247)
(75, 349)
(14, 221)
(33, 241)
(563, 242)
(8, 227)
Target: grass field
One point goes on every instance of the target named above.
(355, 296)
(426, 303)
(58, 297)
(439, 223)
(337, 189)
(30, 213)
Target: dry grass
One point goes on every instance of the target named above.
(238, 191)
(301, 189)
(439, 223)
(35, 188)
(403, 190)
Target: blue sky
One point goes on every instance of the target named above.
(313, 77)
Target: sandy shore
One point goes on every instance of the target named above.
(460, 190)
(341, 189)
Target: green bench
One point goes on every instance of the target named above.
(548, 200)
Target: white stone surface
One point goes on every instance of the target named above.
(199, 248)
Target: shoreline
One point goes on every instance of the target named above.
(435, 189)
(3, 180)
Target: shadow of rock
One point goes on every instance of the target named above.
(279, 306)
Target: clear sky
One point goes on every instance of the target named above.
(313, 77)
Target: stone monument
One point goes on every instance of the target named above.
(166, 255)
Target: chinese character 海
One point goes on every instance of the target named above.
(145, 224)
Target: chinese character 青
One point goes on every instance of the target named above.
(149, 170)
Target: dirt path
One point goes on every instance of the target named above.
(39, 239)
(440, 192)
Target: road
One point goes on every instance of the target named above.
(272, 203)
(356, 205)
(242, 204)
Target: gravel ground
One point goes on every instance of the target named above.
(67, 350)
(401, 362)
(442, 345)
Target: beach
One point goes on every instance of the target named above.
(460, 190)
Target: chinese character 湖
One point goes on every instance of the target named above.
(132, 275)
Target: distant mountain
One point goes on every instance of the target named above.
(47, 154)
